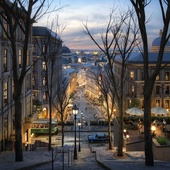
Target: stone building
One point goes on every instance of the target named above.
(134, 86)
(7, 118)
(39, 80)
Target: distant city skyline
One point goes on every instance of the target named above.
(96, 13)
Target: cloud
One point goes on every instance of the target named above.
(96, 13)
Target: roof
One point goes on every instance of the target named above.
(70, 70)
(152, 58)
(43, 31)
(157, 42)
(65, 50)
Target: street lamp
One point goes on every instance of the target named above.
(81, 117)
(79, 124)
(75, 113)
(127, 137)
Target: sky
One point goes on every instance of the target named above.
(74, 13)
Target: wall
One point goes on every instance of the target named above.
(161, 152)
(135, 146)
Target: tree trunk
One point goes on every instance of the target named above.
(18, 136)
(62, 130)
(120, 143)
(49, 145)
(147, 129)
(110, 135)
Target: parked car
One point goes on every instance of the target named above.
(98, 137)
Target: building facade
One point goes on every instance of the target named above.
(7, 113)
(42, 48)
(134, 86)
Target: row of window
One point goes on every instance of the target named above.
(20, 33)
(158, 103)
(5, 98)
(132, 76)
(20, 58)
(158, 90)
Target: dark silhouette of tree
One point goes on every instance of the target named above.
(139, 6)
(104, 85)
(22, 14)
(120, 37)
(62, 100)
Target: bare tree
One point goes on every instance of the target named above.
(51, 50)
(105, 87)
(122, 37)
(62, 100)
(139, 6)
(22, 14)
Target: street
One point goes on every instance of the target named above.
(86, 159)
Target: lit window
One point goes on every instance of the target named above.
(5, 60)
(5, 93)
(167, 103)
(44, 81)
(44, 66)
(132, 75)
(157, 77)
(20, 58)
(28, 57)
(157, 103)
(33, 81)
(132, 90)
(166, 89)
(5, 27)
(167, 76)
(44, 49)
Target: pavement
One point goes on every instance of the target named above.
(106, 160)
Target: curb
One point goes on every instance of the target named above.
(37, 164)
(98, 159)
(33, 166)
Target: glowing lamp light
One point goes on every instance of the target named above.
(127, 136)
(124, 130)
(153, 128)
(75, 110)
(79, 123)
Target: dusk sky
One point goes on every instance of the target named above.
(96, 13)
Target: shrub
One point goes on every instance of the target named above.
(162, 141)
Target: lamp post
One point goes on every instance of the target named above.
(79, 124)
(75, 113)
(81, 118)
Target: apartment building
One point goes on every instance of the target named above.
(42, 48)
(7, 113)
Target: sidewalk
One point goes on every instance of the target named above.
(107, 159)
(31, 159)
(86, 128)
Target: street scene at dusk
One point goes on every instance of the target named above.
(84, 84)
